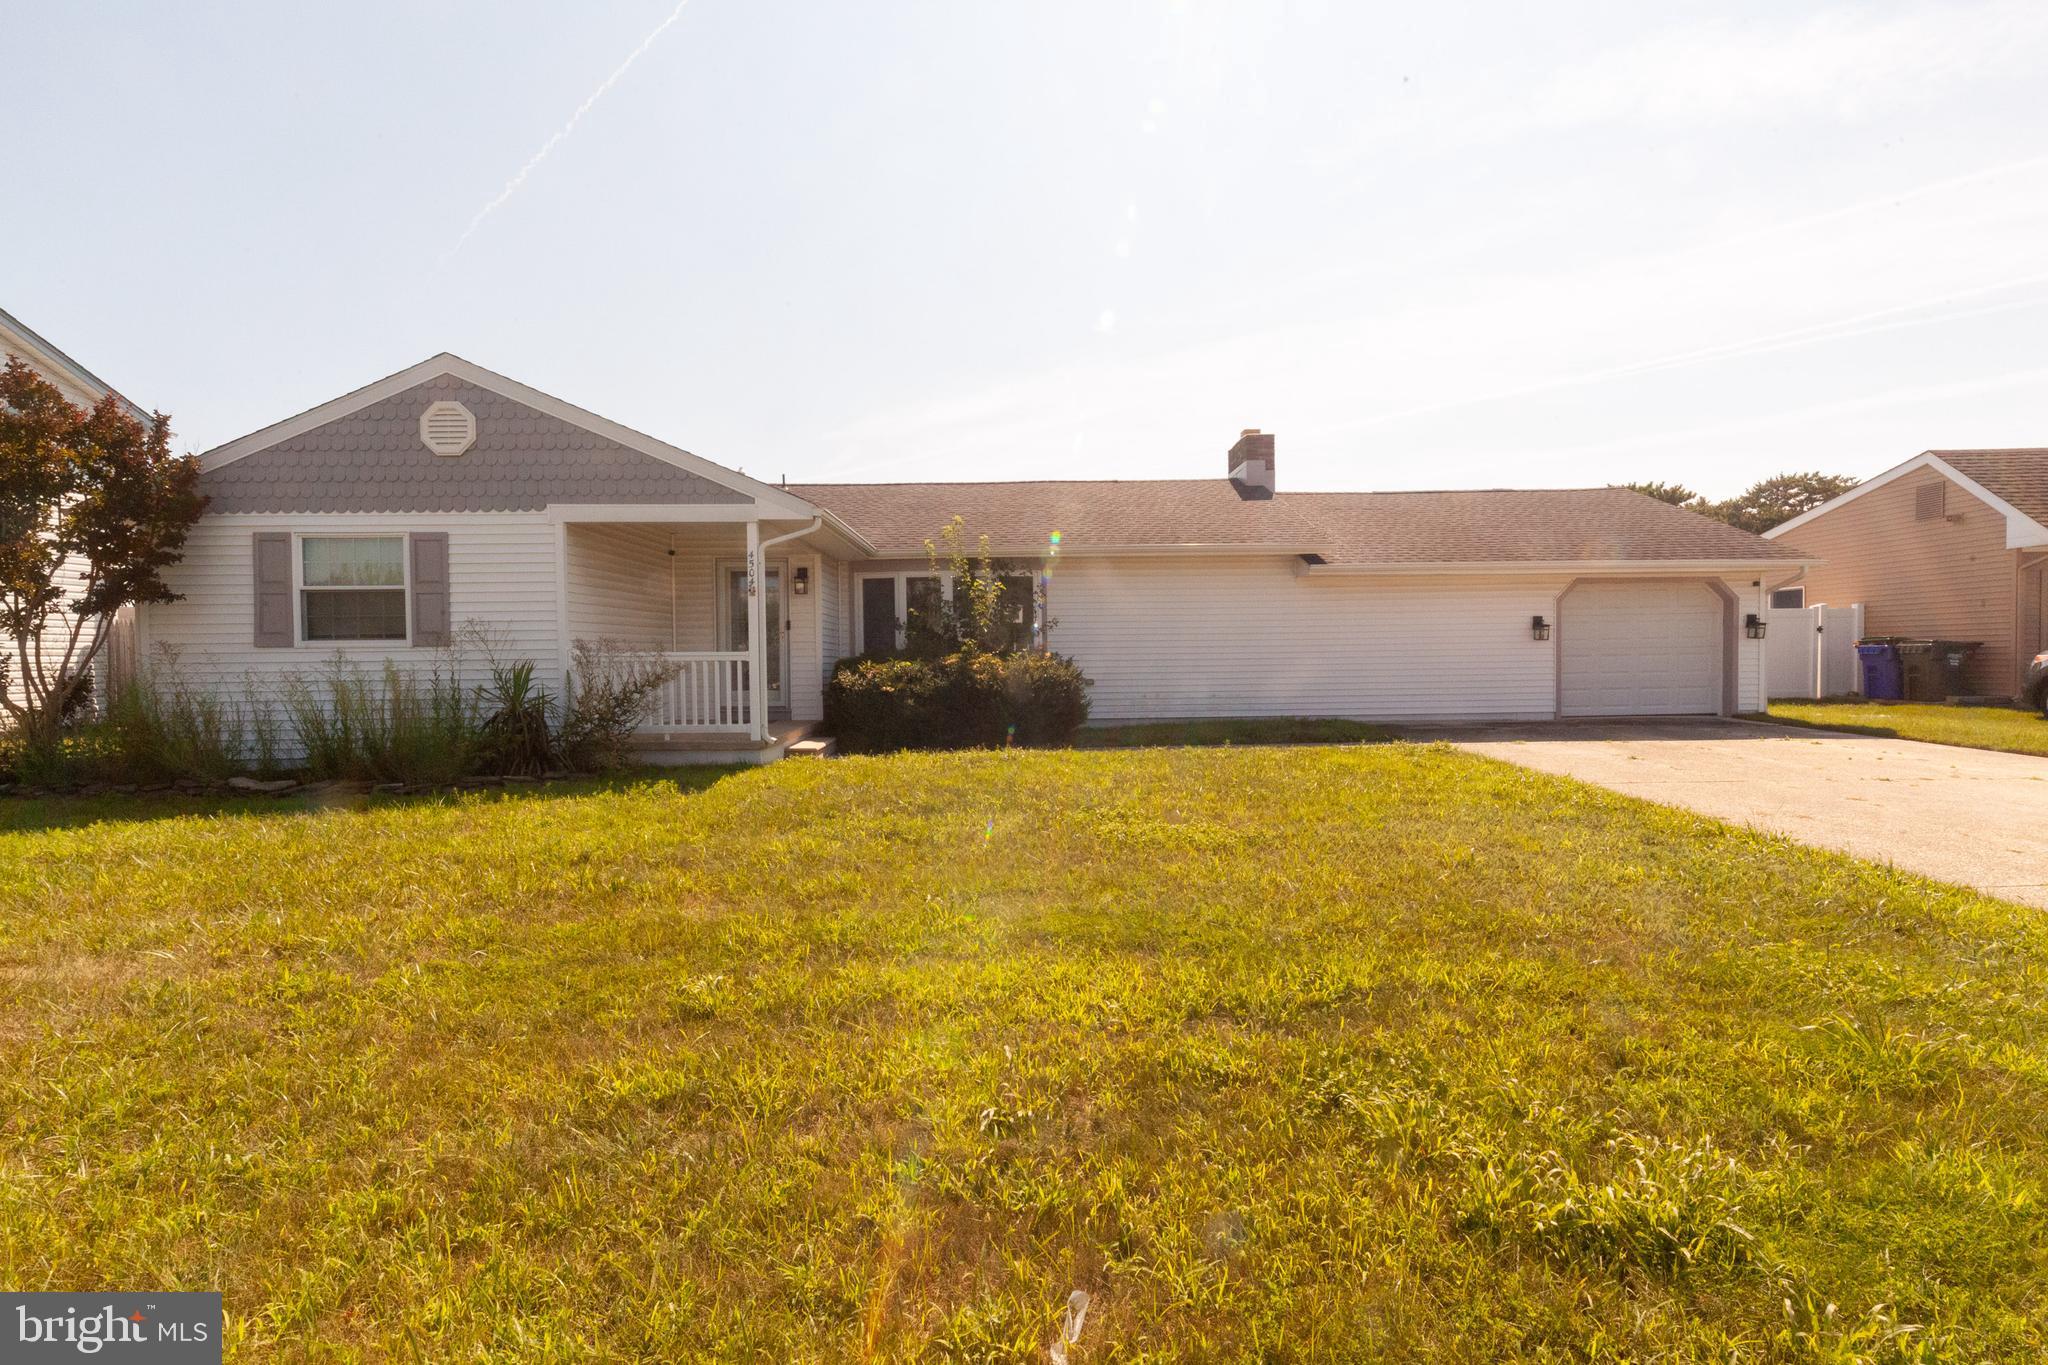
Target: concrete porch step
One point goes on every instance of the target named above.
(676, 750)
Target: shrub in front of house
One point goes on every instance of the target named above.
(610, 693)
(965, 677)
(967, 699)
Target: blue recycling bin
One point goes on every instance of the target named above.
(1883, 679)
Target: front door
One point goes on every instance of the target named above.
(736, 624)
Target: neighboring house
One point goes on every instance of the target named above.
(82, 387)
(72, 379)
(1950, 545)
(376, 524)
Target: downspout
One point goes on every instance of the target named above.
(816, 522)
(1773, 587)
(760, 571)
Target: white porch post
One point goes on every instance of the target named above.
(757, 635)
(563, 652)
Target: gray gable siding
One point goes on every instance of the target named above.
(373, 461)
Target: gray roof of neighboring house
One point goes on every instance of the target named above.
(1476, 526)
(372, 460)
(72, 379)
(2020, 476)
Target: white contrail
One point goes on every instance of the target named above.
(512, 185)
(1891, 398)
(1839, 329)
(1881, 202)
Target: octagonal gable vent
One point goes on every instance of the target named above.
(447, 428)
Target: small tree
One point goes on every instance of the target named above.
(1772, 502)
(1677, 494)
(1766, 503)
(93, 507)
(975, 614)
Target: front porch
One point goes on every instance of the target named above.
(745, 612)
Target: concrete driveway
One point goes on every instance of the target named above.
(1968, 816)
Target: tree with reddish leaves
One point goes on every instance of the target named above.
(93, 508)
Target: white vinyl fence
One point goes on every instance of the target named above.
(1810, 652)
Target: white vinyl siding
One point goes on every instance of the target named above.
(1174, 637)
(1160, 637)
(1170, 637)
(1750, 596)
(618, 586)
(835, 640)
(501, 571)
(805, 685)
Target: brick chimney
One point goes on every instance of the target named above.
(1251, 464)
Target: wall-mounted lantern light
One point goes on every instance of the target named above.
(802, 583)
(1539, 628)
(1754, 625)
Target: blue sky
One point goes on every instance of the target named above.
(1428, 245)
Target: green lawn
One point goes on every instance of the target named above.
(1973, 727)
(1357, 1053)
(1208, 733)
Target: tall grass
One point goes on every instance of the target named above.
(420, 725)
(392, 726)
(162, 725)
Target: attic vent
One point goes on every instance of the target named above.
(447, 428)
(1930, 502)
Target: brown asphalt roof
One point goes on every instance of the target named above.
(1018, 517)
(1521, 524)
(1463, 527)
(2018, 476)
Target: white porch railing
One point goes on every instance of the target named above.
(708, 692)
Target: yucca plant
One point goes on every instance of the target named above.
(516, 736)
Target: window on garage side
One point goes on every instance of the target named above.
(1788, 597)
(352, 588)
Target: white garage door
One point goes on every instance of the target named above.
(1639, 649)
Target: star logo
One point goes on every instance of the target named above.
(136, 1316)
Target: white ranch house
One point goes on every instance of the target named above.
(374, 525)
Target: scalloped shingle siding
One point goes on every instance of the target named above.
(373, 461)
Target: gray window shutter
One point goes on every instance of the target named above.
(273, 561)
(430, 589)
